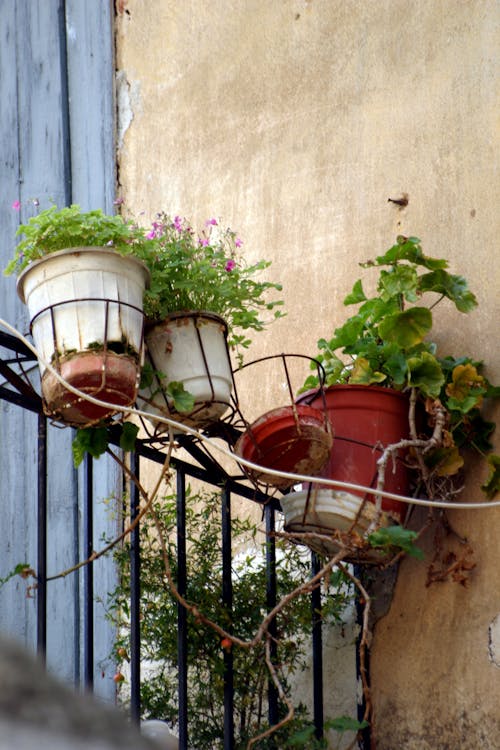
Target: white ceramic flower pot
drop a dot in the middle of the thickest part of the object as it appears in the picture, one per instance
(332, 513)
(188, 348)
(86, 301)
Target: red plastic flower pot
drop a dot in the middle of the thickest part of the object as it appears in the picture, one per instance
(365, 420)
(294, 439)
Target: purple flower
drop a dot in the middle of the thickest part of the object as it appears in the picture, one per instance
(178, 223)
(16, 205)
(203, 241)
(238, 242)
(211, 222)
(151, 235)
(230, 265)
(118, 201)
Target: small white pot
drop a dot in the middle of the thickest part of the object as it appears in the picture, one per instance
(332, 513)
(188, 348)
(84, 300)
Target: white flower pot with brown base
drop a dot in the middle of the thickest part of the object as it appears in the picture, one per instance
(85, 307)
(188, 348)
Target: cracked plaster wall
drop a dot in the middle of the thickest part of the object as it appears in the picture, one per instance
(295, 122)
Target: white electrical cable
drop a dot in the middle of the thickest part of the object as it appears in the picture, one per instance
(242, 461)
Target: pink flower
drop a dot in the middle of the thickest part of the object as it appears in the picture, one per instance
(238, 242)
(151, 235)
(211, 222)
(230, 265)
(178, 223)
(203, 241)
(16, 205)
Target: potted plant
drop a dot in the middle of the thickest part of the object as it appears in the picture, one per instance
(387, 385)
(83, 284)
(203, 300)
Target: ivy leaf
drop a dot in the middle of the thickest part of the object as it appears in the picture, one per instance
(445, 461)
(396, 367)
(425, 373)
(409, 249)
(450, 285)
(183, 401)
(492, 484)
(357, 294)
(362, 373)
(466, 389)
(408, 328)
(396, 536)
(128, 436)
(400, 280)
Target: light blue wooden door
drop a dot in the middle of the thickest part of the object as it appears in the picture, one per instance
(56, 144)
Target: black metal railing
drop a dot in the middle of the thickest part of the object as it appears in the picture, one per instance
(210, 473)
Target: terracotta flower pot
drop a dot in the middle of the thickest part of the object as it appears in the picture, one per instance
(366, 419)
(291, 439)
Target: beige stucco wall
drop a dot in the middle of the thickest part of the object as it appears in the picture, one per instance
(295, 121)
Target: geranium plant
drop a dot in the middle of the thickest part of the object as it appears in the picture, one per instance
(386, 342)
(60, 228)
(206, 272)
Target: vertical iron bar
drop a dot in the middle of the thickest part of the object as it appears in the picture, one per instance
(317, 648)
(65, 106)
(41, 611)
(364, 735)
(135, 593)
(227, 600)
(182, 662)
(88, 573)
(271, 597)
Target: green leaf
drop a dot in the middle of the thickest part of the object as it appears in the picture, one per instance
(128, 436)
(400, 280)
(183, 401)
(396, 367)
(301, 738)
(409, 249)
(396, 536)
(452, 286)
(424, 372)
(492, 484)
(362, 373)
(92, 440)
(357, 295)
(346, 724)
(408, 328)
(445, 462)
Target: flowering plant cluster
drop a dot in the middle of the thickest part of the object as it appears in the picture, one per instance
(191, 271)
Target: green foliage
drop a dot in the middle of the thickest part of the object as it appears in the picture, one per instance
(60, 228)
(205, 272)
(182, 400)
(205, 647)
(386, 343)
(395, 538)
(95, 440)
